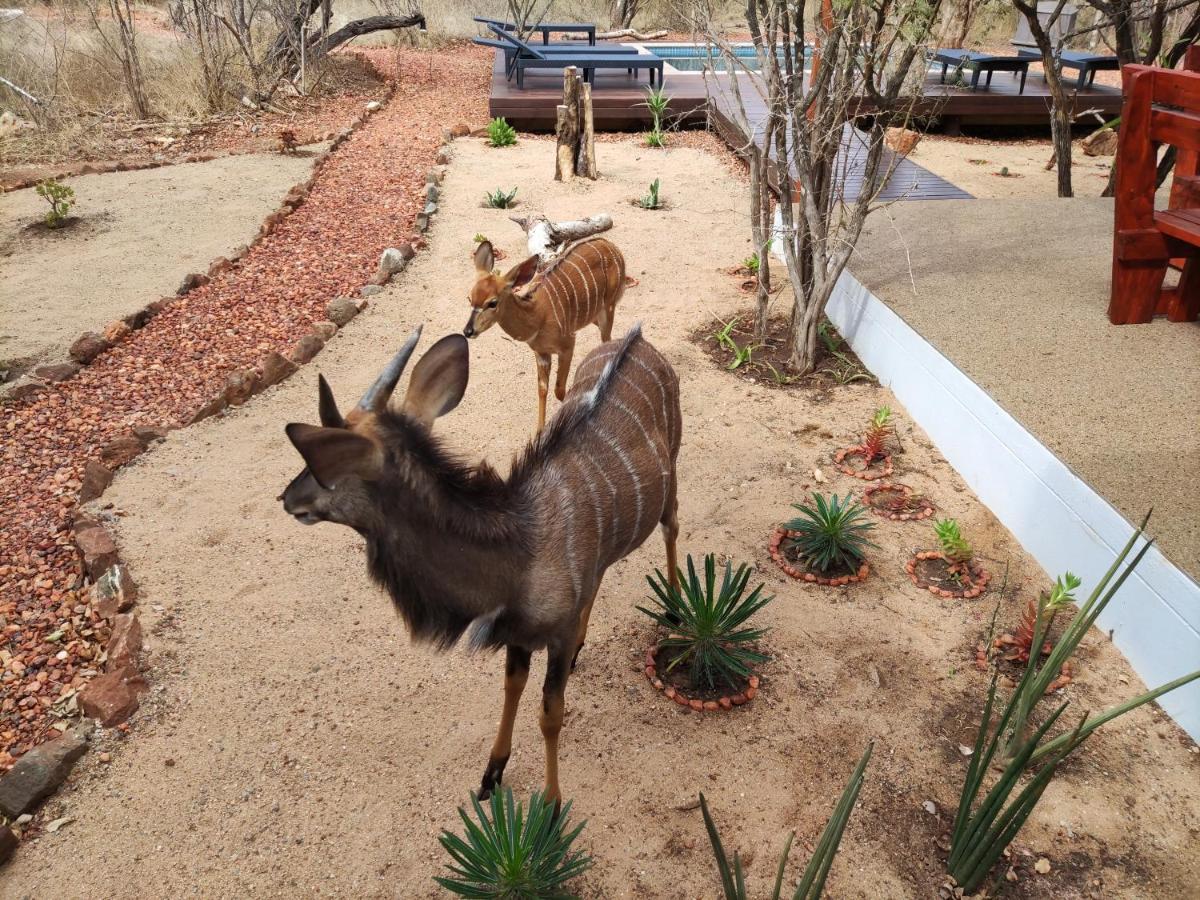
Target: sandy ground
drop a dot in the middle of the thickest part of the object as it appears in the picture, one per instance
(295, 744)
(975, 164)
(139, 233)
(1107, 400)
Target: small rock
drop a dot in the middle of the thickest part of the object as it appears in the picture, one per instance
(421, 222)
(306, 348)
(55, 824)
(126, 641)
(392, 261)
(379, 279)
(240, 387)
(87, 347)
(341, 310)
(97, 548)
(368, 290)
(324, 329)
(406, 251)
(219, 265)
(38, 773)
(965, 750)
(168, 762)
(120, 451)
(442, 158)
(96, 479)
(26, 387)
(106, 758)
(873, 674)
(115, 332)
(818, 476)
(374, 106)
(1100, 143)
(149, 434)
(114, 592)
(930, 807)
(902, 140)
(57, 371)
(190, 282)
(431, 209)
(462, 129)
(431, 193)
(1042, 866)
(112, 698)
(276, 368)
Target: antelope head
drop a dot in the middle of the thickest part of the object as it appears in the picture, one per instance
(493, 291)
(347, 457)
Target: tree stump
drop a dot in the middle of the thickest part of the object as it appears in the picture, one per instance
(575, 130)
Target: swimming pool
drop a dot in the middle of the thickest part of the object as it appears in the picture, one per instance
(696, 57)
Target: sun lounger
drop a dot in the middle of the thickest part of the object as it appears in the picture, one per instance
(546, 29)
(1088, 64)
(979, 63)
(584, 58)
(511, 51)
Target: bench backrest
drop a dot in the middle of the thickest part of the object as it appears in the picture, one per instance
(516, 42)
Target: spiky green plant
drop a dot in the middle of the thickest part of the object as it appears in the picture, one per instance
(812, 882)
(751, 264)
(954, 546)
(656, 139)
(652, 199)
(513, 855)
(984, 827)
(831, 533)
(500, 198)
(500, 133)
(708, 624)
(480, 238)
(657, 102)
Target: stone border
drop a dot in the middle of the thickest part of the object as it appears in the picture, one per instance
(927, 509)
(776, 539)
(866, 474)
(114, 695)
(695, 705)
(90, 345)
(979, 577)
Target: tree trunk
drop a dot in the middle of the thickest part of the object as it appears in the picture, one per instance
(585, 162)
(576, 148)
(1060, 112)
(354, 29)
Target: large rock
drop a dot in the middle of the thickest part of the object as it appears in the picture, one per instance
(191, 282)
(121, 450)
(114, 591)
(341, 310)
(240, 387)
(96, 479)
(902, 140)
(97, 548)
(306, 348)
(117, 331)
(57, 371)
(276, 368)
(125, 643)
(392, 261)
(87, 347)
(325, 330)
(39, 772)
(1100, 143)
(112, 698)
(462, 129)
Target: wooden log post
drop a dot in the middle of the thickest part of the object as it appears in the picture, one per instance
(575, 130)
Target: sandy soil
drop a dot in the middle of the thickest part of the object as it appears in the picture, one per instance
(975, 164)
(296, 745)
(138, 233)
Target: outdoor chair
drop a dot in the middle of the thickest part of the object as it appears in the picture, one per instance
(979, 63)
(1088, 64)
(545, 29)
(1162, 106)
(583, 58)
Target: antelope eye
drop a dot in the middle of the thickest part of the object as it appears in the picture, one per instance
(492, 304)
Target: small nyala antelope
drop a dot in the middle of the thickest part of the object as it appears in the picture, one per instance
(516, 562)
(580, 288)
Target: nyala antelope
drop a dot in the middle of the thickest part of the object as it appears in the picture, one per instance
(516, 562)
(580, 288)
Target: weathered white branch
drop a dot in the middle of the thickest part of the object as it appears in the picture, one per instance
(546, 239)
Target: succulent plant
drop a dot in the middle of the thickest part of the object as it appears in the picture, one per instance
(877, 434)
(831, 533)
(953, 545)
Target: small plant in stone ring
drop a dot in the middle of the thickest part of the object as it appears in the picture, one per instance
(831, 533)
(60, 197)
(877, 434)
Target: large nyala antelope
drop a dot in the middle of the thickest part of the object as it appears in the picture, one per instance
(516, 562)
(545, 309)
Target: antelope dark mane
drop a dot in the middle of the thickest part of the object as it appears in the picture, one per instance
(571, 418)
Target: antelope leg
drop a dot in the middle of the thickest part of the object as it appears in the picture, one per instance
(558, 669)
(584, 615)
(564, 369)
(516, 673)
(543, 372)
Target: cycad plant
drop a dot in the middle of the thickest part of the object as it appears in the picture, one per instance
(812, 882)
(877, 434)
(830, 534)
(953, 545)
(708, 623)
(984, 827)
(513, 855)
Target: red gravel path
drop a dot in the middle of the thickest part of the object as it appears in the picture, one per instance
(364, 200)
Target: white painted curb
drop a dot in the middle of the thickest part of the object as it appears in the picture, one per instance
(1061, 521)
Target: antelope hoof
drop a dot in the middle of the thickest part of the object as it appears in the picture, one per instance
(575, 658)
(492, 776)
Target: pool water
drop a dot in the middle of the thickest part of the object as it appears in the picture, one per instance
(696, 57)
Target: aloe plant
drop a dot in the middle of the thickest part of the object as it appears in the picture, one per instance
(500, 198)
(513, 854)
(652, 199)
(877, 434)
(709, 626)
(812, 882)
(954, 546)
(830, 534)
(500, 133)
(984, 827)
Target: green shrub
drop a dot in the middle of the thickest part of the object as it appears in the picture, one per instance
(831, 533)
(60, 197)
(709, 630)
(513, 855)
(657, 102)
(953, 545)
(500, 133)
(500, 198)
(652, 199)
(812, 882)
(656, 138)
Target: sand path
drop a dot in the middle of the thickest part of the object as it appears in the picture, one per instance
(295, 744)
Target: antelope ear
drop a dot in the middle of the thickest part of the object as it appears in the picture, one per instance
(439, 380)
(522, 273)
(330, 417)
(333, 454)
(485, 258)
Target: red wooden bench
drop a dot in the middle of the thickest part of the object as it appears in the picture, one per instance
(1162, 106)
